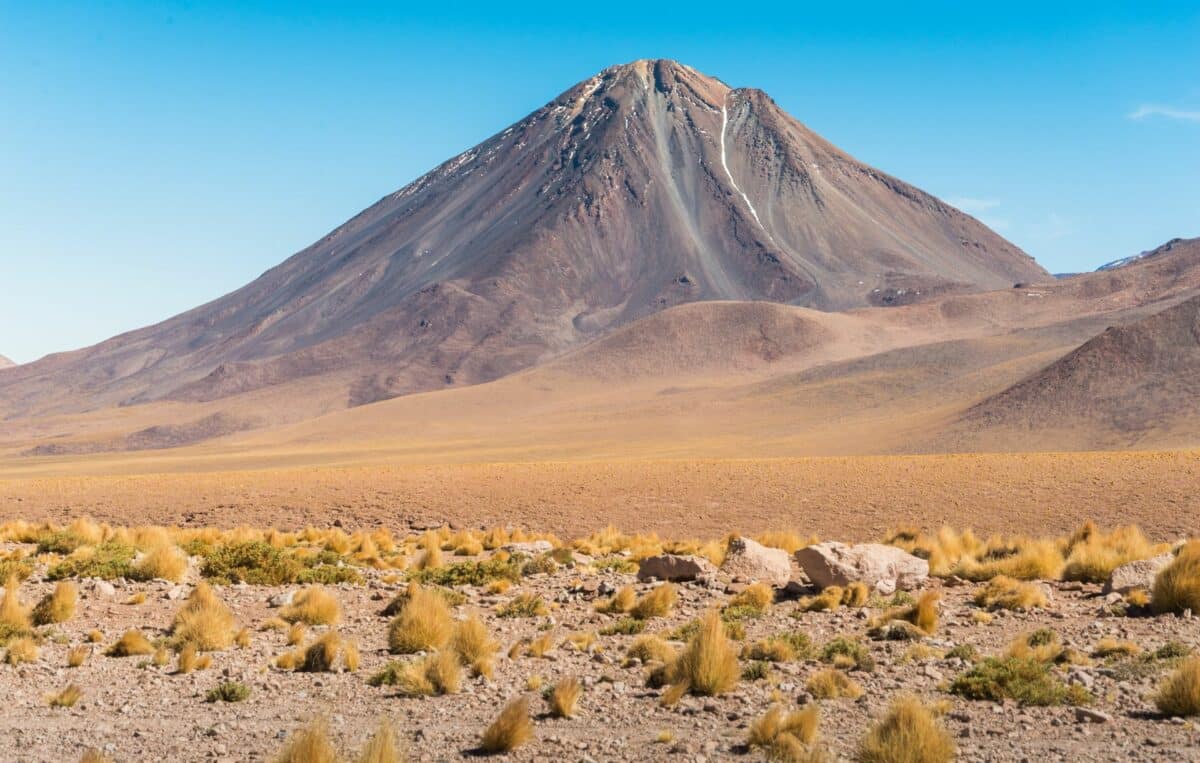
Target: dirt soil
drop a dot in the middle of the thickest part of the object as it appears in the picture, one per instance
(137, 712)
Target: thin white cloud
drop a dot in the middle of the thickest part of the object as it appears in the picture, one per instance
(1150, 110)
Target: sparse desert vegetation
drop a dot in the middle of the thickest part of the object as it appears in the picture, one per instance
(573, 648)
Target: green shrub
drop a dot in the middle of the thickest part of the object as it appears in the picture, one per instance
(230, 691)
(478, 573)
(260, 563)
(1024, 679)
(109, 560)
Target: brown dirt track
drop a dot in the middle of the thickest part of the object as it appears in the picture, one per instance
(851, 498)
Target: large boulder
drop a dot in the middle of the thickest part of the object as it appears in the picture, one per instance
(883, 568)
(1138, 574)
(750, 560)
(675, 567)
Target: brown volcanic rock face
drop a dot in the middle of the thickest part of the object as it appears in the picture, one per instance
(647, 186)
(1127, 381)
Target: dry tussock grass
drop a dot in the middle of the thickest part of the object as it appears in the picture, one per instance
(757, 597)
(165, 561)
(204, 621)
(564, 698)
(21, 650)
(511, 729)
(1179, 694)
(831, 683)
(708, 665)
(475, 647)
(383, 747)
(909, 733)
(781, 734)
(423, 624)
(308, 744)
(77, 655)
(655, 603)
(313, 606)
(1177, 586)
(132, 643)
(13, 615)
(58, 606)
(1002, 592)
(622, 601)
(190, 659)
(67, 697)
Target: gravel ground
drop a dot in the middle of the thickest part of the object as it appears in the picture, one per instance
(134, 711)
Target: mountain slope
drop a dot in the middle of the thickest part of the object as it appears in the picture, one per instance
(648, 185)
(1123, 384)
(5, 362)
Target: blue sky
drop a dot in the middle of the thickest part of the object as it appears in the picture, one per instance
(155, 155)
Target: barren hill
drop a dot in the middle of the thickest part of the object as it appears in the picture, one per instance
(646, 186)
(5, 362)
(1127, 382)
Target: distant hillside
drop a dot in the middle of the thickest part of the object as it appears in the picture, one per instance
(1128, 381)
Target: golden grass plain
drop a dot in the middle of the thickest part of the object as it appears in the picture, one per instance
(850, 498)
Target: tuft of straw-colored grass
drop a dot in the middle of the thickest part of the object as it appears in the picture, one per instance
(131, 643)
(13, 614)
(77, 655)
(856, 595)
(313, 606)
(21, 650)
(383, 746)
(423, 624)
(350, 656)
(321, 654)
(832, 683)
(564, 698)
(655, 603)
(67, 697)
(1002, 592)
(909, 733)
(708, 666)
(757, 597)
(204, 620)
(1177, 586)
(1111, 647)
(1179, 694)
(621, 602)
(308, 744)
(166, 562)
(511, 729)
(778, 732)
(295, 634)
(190, 659)
(651, 648)
(475, 648)
(58, 606)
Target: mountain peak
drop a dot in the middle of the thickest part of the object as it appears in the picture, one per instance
(645, 186)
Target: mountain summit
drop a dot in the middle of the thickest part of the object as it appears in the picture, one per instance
(646, 186)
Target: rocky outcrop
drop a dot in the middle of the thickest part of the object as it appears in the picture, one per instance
(751, 561)
(675, 568)
(884, 569)
(1137, 574)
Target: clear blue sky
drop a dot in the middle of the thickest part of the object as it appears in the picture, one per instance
(155, 155)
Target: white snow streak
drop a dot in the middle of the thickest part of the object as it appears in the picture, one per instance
(725, 164)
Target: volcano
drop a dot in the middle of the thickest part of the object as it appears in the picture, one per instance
(647, 186)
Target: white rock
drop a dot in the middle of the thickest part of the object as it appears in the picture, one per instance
(531, 548)
(674, 567)
(1137, 574)
(749, 559)
(883, 568)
